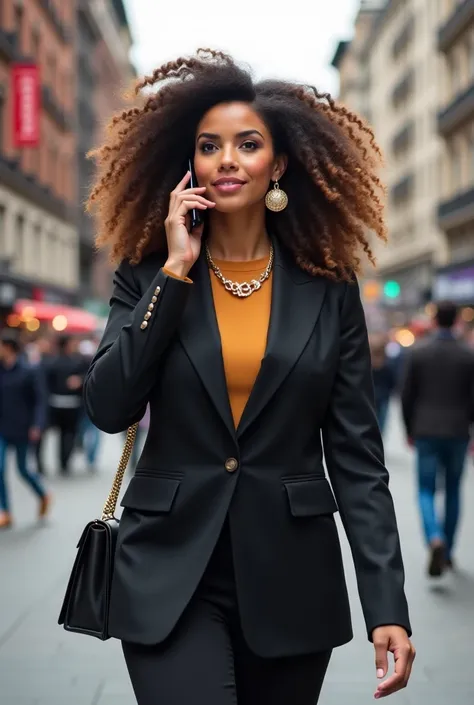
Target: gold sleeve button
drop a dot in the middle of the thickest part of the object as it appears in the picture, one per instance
(144, 325)
(157, 290)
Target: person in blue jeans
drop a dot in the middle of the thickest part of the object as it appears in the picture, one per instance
(23, 404)
(438, 410)
(440, 458)
(384, 379)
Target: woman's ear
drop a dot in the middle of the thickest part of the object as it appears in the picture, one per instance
(279, 167)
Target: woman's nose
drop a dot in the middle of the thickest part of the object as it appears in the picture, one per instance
(228, 160)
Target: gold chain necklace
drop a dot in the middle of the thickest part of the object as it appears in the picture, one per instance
(241, 289)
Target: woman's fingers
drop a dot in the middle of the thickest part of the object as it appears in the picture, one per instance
(185, 195)
(189, 204)
(182, 184)
(186, 201)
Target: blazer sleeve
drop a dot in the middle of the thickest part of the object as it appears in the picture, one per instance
(354, 457)
(138, 331)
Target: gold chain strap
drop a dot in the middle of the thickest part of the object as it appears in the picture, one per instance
(110, 506)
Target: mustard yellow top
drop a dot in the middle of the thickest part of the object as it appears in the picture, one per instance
(243, 326)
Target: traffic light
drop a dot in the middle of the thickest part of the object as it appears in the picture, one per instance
(391, 290)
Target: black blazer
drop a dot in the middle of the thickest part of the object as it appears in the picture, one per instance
(438, 388)
(267, 475)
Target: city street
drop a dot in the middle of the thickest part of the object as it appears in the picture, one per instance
(40, 664)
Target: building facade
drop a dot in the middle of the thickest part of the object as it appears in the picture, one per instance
(402, 95)
(38, 204)
(87, 37)
(456, 128)
(404, 110)
(114, 74)
(104, 70)
(351, 60)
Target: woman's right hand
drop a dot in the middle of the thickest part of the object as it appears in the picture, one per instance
(184, 244)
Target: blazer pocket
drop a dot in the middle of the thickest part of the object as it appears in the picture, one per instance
(151, 494)
(309, 498)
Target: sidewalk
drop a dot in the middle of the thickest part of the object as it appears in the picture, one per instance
(40, 664)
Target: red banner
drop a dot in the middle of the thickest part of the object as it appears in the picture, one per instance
(26, 105)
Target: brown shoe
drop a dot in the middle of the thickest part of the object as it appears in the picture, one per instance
(5, 520)
(45, 506)
(437, 562)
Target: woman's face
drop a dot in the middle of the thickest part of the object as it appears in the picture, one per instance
(234, 157)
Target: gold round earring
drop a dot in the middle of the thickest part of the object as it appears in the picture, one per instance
(276, 200)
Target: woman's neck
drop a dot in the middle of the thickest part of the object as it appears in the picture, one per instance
(238, 236)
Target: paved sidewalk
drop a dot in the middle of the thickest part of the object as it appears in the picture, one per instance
(40, 664)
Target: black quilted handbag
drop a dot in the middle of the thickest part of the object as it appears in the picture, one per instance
(85, 608)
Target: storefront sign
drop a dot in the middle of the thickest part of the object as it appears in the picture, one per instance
(26, 105)
(456, 285)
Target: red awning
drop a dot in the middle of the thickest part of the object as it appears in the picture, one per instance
(67, 319)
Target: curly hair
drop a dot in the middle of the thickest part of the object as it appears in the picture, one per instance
(336, 199)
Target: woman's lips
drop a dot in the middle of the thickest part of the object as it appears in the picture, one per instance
(228, 186)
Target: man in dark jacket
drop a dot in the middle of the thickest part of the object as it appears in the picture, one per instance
(22, 417)
(438, 409)
(66, 374)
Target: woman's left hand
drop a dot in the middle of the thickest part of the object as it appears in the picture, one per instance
(395, 640)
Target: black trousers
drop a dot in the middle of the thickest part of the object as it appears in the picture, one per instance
(206, 661)
(37, 449)
(67, 421)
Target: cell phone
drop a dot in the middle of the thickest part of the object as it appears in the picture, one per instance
(196, 218)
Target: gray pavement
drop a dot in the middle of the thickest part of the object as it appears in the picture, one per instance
(40, 664)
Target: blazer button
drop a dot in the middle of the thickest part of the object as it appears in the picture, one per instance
(231, 464)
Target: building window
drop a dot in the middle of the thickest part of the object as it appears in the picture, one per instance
(35, 43)
(51, 68)
(20, 239)
(456, 167)
(53, 166)
(471, 155)
(3, 239)
(35, 161)
(2, 117)
(19, 14)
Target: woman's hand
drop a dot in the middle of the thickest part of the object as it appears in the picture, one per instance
(184, 245)
(392, 639)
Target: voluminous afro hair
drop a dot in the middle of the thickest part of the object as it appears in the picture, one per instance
(336, 199)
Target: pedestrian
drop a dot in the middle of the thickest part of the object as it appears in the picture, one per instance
(40, 356)
(228, 580)
(65, 379)
(438, 410)
(384, 377)
(23, 403)
(89, 436)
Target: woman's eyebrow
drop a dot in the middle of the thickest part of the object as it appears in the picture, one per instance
(215, 136)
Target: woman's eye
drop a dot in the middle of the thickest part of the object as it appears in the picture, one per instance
(249, 145)
(207, 147)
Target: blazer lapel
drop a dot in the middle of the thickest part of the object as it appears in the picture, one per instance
(199, 334)
(297, 298)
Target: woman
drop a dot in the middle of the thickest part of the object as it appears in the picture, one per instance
(384, 378)
(247, 338)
